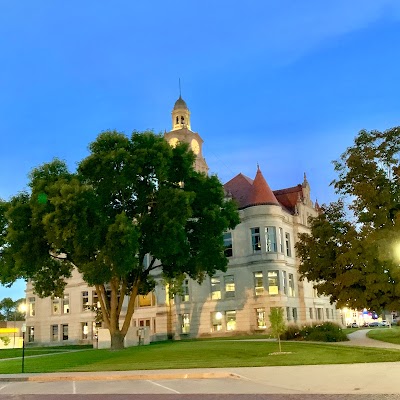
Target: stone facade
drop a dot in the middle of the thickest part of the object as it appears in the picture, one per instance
(262, 272)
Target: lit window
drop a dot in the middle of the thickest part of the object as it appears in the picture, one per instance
(273, 283)
(147, 300)
(185, 323)
(95, 300)
(66, 304)
(216, 321)
(230, 317)
(292, 292)
(261, 322)
(215, 288)
(228, 244)
(85, 301)
(229, 286)
(85, 330)
(31, 333)
(55, 307)
(258, 283)
(288, 248)
(255, 239)
(270, 239)
(31, 306)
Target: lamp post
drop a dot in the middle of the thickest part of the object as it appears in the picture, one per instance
(22, 308)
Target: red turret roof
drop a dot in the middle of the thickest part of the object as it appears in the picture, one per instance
(260, 192)
(249, 193)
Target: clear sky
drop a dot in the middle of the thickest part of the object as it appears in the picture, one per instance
(285, 83)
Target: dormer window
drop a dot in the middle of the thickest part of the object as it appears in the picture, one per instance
(182, 120)
(177, 120)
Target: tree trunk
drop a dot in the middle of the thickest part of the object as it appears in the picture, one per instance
(117, 340)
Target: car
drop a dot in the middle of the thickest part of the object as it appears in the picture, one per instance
(385, 323)
(374, 324)
(354, 325)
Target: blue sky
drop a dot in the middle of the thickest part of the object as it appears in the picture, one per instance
(286, 84)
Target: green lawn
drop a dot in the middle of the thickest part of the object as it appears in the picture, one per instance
(33, 351)
(199, 354)
(391, 335)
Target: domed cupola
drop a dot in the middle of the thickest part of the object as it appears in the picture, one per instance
(180, 115)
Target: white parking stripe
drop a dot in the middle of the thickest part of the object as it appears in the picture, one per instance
(73, 387)
(2, 387)
(164, 387)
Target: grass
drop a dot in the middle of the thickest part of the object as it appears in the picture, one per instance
(34, 351)
(200, 354)
(390, 335)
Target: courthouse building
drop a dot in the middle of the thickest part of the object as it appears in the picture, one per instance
(262, 271)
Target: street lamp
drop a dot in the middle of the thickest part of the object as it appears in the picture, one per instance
(22, 309)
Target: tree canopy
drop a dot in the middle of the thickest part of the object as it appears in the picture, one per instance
(130, 197)
(9, 310)
(353, 251)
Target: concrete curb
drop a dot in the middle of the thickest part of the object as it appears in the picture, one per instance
(119, 377)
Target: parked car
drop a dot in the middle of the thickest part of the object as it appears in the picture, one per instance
(385, 323)
(354, 325)
(374, 324)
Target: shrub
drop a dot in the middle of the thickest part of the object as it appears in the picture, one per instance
(325, 332)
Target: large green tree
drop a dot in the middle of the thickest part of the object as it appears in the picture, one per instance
(9, 310)
(131, 197)
(353, 251)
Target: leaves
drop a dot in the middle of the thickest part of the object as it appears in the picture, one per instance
(352, 252)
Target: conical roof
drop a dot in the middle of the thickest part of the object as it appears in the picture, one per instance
(260, 192)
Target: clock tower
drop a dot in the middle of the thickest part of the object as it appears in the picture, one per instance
(181, 132)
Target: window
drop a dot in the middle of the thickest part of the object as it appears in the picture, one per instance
(281, 242)
(332, 313)
(228, 244)
(319, 313)
(288, 248)
(216, 321)
(292, 292)
(311, 313)
(85, 301)
(215, 288)
(54, 333)
(147, 300)
(261, 322)
(230, 320)
(255, 239)
(229, 281)
(95, 300)
(66, 304)
(31, 333)
(55, 307)
(284, 282)
(185, 290)
(327, 313)
(294, 312)
(85, 330)
(258, 283)
(273, 284)
(31, 307)
(270, 239)
(64, 332)
(288, 315)
(185, 323)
